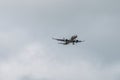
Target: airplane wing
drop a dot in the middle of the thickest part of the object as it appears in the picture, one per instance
(59, 39)
(63, 43)
(79, 41)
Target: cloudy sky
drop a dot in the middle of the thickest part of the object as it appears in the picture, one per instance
(27, 51)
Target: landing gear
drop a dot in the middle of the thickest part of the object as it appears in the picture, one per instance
(73, 43)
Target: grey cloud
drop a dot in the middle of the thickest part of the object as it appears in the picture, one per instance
(27, 22)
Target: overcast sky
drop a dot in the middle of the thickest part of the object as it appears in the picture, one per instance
(27, 51)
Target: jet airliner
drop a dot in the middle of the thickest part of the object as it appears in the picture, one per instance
(72, 40)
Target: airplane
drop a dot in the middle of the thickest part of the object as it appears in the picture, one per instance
(72, 40)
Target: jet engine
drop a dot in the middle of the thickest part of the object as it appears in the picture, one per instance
(66, 40)
(78, 41)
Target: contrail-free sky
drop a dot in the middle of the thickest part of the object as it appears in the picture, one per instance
(27, 51)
